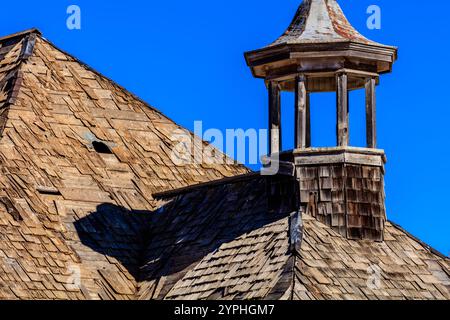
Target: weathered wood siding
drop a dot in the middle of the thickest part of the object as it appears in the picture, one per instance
(347, 197)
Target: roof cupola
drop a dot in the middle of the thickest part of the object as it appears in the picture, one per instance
(320, 51)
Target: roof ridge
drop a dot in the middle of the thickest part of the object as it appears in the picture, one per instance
(21, 34)
(28, 42)
(421, 242)
(133, 95)
(90, 68)
(214, 183)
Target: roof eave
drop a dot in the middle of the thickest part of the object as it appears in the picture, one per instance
(251, 56)
(286, 51)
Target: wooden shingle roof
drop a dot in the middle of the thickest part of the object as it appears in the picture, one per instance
(224, 242)
(53, 109)
(69, 209)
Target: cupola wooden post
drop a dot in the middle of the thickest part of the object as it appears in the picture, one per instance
(302, 114)
(342, 110)
(342, 186)
(371, 109)
(275, 142)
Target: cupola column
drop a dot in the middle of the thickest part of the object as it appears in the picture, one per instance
(275, 143)
(342, 110)
(302, 114)
(371, 122)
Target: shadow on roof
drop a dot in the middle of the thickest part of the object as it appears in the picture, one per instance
(163, 243)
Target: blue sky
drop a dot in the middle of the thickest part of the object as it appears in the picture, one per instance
(186, 59)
